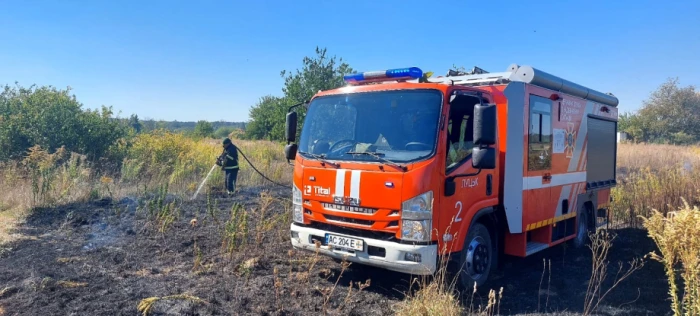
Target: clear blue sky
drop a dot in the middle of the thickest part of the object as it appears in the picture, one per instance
(213, 60)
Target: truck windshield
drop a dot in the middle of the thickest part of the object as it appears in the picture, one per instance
(397, 126)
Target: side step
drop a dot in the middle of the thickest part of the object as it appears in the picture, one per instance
(533, 247)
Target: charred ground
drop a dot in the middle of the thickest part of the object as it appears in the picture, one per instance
(233, 257)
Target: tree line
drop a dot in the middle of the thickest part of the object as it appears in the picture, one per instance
(182, 126)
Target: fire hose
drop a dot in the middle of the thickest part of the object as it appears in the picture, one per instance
(251, 165)
(260, 173)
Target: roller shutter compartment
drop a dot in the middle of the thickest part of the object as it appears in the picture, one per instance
(601, 153)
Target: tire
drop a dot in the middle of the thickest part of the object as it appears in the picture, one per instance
(478, 258)
(583, 228)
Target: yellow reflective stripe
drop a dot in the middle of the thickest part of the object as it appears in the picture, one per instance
(234, 167)
(549, 221)
(229, 157)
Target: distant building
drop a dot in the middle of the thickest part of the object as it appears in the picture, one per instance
(621, 137)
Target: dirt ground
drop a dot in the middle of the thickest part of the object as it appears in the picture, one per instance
(104, 257)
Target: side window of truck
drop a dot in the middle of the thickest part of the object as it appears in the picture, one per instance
(460, 135)
(540, 134)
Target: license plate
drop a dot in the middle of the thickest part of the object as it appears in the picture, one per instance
(344, 242)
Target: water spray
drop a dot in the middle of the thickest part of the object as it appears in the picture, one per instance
(203, 181)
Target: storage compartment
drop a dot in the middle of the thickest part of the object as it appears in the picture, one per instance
(601, 153)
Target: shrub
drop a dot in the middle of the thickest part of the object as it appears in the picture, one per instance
(52, 118)
(677, 234)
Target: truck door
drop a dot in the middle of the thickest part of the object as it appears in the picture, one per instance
(458, 209)
(538, 205)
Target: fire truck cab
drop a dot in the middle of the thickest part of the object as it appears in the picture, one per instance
(398, 170)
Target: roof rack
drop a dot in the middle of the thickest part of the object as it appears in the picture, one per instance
(527, 74)
(475, 80)
(476, 77)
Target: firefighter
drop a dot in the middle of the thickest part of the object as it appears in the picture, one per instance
(229, 163)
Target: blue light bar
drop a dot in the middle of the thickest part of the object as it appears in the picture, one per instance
(383, 75)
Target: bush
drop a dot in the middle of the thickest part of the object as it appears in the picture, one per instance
(163, 155)
(677, 235)
(52, 118)
(203, 129)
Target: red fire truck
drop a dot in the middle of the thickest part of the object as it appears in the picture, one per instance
(398, 170)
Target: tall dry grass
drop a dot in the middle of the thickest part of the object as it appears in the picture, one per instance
(183, 162)
(677, 234)
(600, 245)
(43, 179)
(653, 177)
(152, 160)
(653, 180)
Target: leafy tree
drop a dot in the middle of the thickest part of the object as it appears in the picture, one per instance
(203, 129)
(52, 118)
(135, 123)
(318, 73)
(99, 131)
(671, 114)
(267, 119)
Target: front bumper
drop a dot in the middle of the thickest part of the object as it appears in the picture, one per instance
(394, 258)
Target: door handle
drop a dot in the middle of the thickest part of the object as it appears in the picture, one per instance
(547, 177)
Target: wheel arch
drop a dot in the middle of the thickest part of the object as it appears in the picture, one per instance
(587, 203)
(488, 217)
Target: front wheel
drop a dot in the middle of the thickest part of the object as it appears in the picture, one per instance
(478, 257)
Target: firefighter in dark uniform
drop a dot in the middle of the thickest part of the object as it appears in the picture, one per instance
(229, 163)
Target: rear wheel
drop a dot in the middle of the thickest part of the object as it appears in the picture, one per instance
(478, 257)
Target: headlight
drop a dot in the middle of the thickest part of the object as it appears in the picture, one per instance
(417, 217)
(298, 213)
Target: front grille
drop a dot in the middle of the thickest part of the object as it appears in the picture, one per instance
(348, 208)
(348, 220)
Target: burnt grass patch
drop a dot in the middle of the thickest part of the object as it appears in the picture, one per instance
(232, 256)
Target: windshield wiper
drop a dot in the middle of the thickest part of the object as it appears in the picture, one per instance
(378, 156)
(320, 158)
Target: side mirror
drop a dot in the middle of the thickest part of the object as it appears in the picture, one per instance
(290, 131)
(484, 158)
(450, 187)
(485, 124)
(290, 151)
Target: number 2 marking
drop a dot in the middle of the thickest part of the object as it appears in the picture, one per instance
(457, 218)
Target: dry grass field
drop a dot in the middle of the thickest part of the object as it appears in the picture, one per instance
(75, 241)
